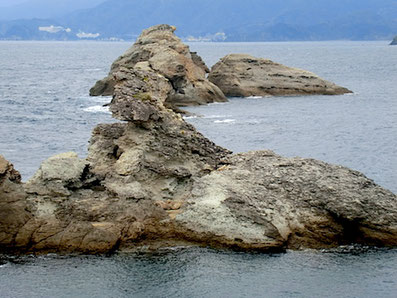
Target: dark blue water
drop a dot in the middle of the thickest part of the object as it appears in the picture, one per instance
(45, 109)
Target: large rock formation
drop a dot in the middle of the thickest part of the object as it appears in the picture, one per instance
(153, 180)
(158, 50)
(244, 75)
(125, 193)
(262, 200)
(394, 41)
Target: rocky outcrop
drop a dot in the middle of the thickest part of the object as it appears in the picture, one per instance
(152, 180)
(242, 75)
(127, 191)
(160, 52)
(259, 200)
(394, 41)
(13, 206)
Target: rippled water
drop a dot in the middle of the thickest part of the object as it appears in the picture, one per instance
(45, 109)
(199, 272)
(356, 130)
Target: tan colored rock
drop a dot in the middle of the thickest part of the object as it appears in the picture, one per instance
(160, 52)
(13, 206)
(243, 75)
(153, 180)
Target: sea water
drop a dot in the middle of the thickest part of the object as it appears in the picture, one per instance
(45, 109)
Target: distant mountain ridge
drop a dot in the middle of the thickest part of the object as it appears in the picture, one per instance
(222, 20)
(30, 9)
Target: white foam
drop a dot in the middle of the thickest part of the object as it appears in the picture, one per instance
(255, 97)
(215, 116)
(217, 103)
(351, 94)
(189, 117)
(225, 121)
(101, 99)
(97, 109)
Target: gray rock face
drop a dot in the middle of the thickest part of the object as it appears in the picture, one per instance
(394, 41)
(243, 75)
(262, 200)
(58, 174)
(160, 52)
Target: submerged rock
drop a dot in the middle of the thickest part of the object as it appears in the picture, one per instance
(153, 180)
(242, 75)
(394, 41)
(160, 52)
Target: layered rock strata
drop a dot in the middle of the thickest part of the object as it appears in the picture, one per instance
(243, 75)
(158, 50)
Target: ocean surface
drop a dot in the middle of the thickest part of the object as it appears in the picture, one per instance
(45, 109)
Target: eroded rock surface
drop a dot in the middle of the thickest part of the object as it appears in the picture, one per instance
(128, 190)
(262, 200)
(152, 180)
(243, 75)
(160, 52)
(13, 206)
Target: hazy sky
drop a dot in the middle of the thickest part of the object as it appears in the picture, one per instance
(10, 2)
(27, 9)
(6, 3)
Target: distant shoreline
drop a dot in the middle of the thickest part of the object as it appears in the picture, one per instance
(197, 42)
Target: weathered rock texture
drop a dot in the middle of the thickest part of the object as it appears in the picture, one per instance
(159, 51)
(126, 193)
(153, 180)
(244, 75)
(262, 200)
(13, 206)
(394, 41)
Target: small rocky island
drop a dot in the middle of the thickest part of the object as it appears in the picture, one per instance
(152, 180)
(162, 52)
(240, 75)
(394, 41)
(243, 75)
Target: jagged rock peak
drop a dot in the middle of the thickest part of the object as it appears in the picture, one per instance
(243, 75)
(7, 171)
(159, 51)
